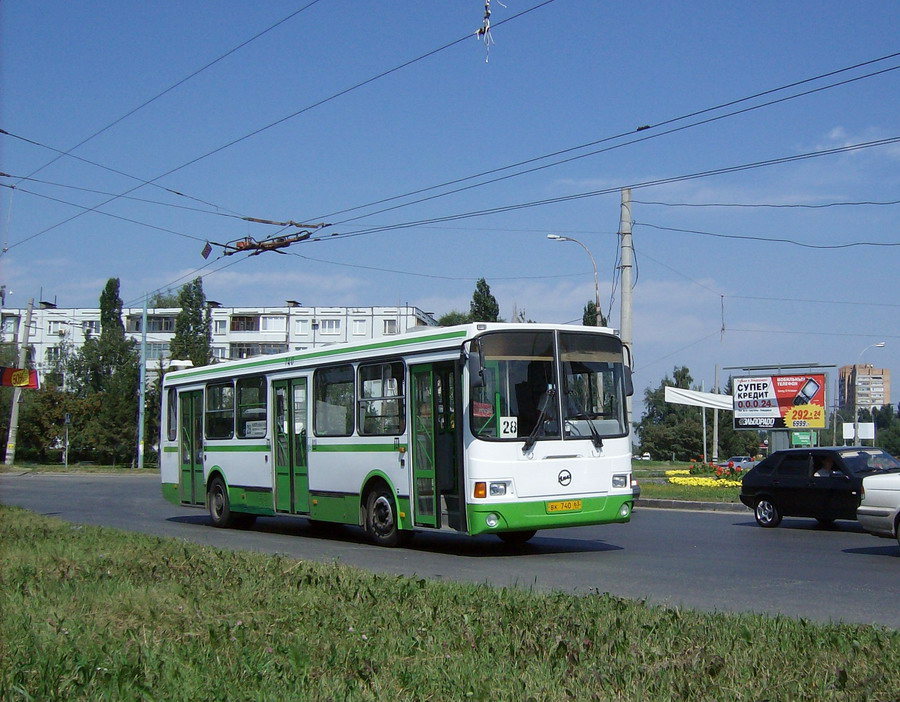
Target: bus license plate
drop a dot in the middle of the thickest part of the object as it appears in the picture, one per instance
(564, 506)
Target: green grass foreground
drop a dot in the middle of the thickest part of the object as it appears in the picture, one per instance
(92, 613)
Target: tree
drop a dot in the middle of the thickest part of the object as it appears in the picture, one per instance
(591, 317)
(452, 318)
(484, 307)
(163, 300)
(669, 429)
(111, 310)
(193, 326)
(104, 377)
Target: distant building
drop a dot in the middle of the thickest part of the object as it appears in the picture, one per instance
(863, 386)
(237, 332)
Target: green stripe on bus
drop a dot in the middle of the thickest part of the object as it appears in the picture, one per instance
(249, 448)
(170, 449)
(358, 448)
(285, 362)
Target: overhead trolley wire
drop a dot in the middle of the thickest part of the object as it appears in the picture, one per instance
(141, 181)
(824, 205)
(86, 209)
(172, 87)
(276, 122)
(773, 240)
(634, 186)
(622, 135)
(20, 179)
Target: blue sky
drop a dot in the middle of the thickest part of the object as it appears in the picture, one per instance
(567, 73)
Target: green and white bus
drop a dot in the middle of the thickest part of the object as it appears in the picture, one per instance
(481, 429)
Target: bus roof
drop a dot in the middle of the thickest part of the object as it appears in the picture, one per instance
(422, 339)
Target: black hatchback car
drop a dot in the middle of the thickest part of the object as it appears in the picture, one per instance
(824, 483)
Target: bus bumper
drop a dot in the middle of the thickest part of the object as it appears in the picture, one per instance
(549, 514)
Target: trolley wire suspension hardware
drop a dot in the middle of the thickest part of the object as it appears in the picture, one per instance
(254, 247)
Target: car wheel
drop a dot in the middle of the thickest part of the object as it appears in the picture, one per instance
(767, 514)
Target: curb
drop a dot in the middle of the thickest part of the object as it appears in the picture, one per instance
(687, 504)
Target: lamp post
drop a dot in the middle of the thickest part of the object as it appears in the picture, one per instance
(878, 345)
(598, 315)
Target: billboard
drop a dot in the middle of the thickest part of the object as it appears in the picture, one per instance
(779, 402)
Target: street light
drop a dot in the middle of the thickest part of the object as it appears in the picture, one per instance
(878, 345)
(598, 315)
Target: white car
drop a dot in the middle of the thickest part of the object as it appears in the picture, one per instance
(879, 510)
(742, 462)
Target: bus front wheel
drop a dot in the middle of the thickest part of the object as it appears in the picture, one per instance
(516, 538)
(381, 518)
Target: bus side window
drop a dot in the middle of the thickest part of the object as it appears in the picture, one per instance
(172, 414)
(251, 401)
(334, 400)
(220, 410)
(382, 408)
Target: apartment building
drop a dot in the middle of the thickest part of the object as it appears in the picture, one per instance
(237, 332)
(863, 386)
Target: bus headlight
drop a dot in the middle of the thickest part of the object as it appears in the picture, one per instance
(625, 510)
(620, 481)
(499, 489)
(492, 520)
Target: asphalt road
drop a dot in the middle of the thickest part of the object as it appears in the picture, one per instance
(709, 561)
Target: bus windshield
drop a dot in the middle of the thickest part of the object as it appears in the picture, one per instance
(532, 379)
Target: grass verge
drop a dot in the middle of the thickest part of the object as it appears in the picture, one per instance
(695, 493)
(92, 613)
(73, 468)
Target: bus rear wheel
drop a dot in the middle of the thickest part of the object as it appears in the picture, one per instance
(517, 538)
(381, 519)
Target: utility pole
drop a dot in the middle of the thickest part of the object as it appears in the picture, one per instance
(716, 421)
(17, 392)
(627, 267)
(142, 390)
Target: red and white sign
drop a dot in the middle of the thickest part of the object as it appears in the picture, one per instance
(779, 402)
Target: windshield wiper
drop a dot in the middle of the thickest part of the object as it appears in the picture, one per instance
(543, 406)
(595, 435)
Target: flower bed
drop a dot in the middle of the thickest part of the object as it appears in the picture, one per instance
(708, 481)
(706, 475)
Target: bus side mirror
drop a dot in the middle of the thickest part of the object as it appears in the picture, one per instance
(476, 369)
(629, 383)
(475, 364)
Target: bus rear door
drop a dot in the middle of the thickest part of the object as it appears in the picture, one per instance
(190, 484)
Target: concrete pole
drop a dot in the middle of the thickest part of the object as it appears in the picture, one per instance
(17, 392)
(142, 388)
(716, 421)
(627, 266)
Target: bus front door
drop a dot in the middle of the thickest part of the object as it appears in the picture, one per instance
(289, 432)
(436, 484)
(423, 445)
(190, 485)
